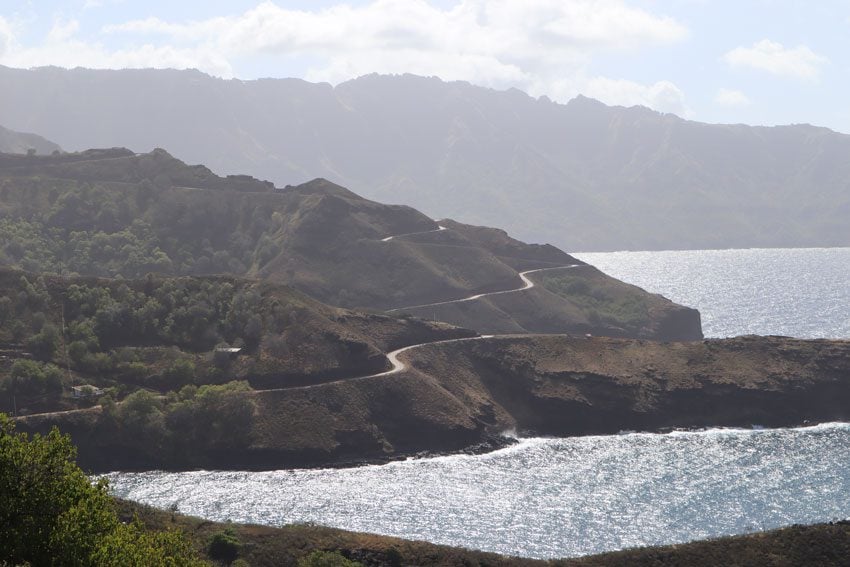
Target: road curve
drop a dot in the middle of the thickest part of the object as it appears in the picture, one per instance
(439, 228)
(397, 364)
(526, 284)
(393, 357)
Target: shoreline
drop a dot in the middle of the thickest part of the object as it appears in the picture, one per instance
(297, 503)
(457, 397)
(496, 444)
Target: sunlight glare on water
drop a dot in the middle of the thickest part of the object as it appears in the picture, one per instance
(797, 292)
(545, 497)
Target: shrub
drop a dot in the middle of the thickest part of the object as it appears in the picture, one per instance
(327, 559)
(29, 377)
(180, 373)
(44, 344)
(51, 513)
(224, 546)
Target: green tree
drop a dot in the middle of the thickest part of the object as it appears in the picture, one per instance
(51, 514)
(141, 417)
(179, 373)
(224, 546)
(45, 344)
(130, 545)
(28, 377)
(327, 559)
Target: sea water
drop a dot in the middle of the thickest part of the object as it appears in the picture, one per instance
(798, 292)
(545, 498)
(568, 497)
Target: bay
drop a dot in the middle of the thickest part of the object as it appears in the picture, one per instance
(550, 498)
(545, 498)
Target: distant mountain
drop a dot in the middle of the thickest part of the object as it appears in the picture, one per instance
(581, 175)
(114, 213)
(12, 142)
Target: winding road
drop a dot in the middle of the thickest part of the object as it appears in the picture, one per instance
(438, 229)
(526, 284)
(397, 364)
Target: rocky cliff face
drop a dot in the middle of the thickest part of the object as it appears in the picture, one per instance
(464, 393)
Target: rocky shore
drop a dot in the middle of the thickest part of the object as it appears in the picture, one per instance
(458, 395)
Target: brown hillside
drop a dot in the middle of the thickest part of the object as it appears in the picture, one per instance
(825, 545)
(461, 393)
(112, 213)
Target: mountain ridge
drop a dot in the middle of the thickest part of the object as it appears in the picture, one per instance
(116, 213)
(582, 175)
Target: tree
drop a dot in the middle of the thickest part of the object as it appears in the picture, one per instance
(28, 377)
(327, 559)
(141, 415)
(51, 513)
(224, 546)
(179, 373)
(45, 344)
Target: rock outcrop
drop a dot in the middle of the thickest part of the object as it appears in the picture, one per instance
(462, 394)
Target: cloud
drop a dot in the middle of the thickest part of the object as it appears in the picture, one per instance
(541, 46)
(731, 97)
(497, 27)
(765, 55)
(74, 53)
(91, 4)
(499, 43)
(62, 31)
(663, 96)
(6, 36)
(63, 48)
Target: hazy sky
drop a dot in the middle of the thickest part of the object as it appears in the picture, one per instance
(752, 61)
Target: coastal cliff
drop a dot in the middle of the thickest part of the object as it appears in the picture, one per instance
(463, 394)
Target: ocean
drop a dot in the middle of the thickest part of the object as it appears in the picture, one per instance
(796, 292)
(545, 498)
(550, 498)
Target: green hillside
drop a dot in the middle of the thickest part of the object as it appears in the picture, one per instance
(112, 213)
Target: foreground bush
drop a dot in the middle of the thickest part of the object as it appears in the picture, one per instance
(51, 514)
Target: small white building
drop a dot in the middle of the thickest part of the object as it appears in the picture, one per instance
(85, 391)
(223, 354)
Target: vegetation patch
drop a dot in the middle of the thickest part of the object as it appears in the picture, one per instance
(162, 334)
(603, 300)
(52, 514)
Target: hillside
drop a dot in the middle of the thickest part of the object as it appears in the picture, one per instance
(19, 143)
(165, 364)
(459, 394)
(113, 213)
(823, 544)
(581, 175)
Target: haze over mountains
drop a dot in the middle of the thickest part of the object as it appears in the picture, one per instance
(12, 142)
(583, 176)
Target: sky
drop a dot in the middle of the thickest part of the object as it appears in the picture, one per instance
(762, 62)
